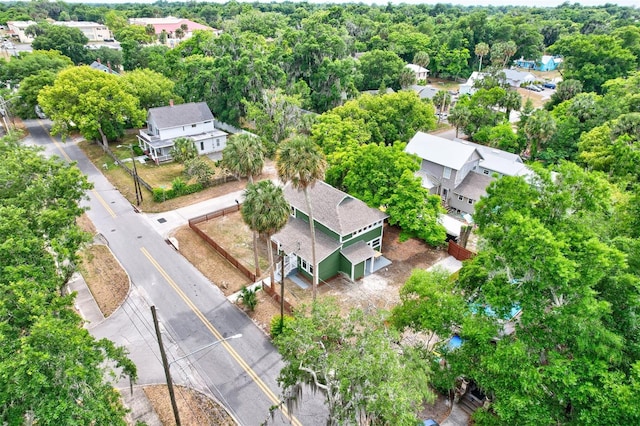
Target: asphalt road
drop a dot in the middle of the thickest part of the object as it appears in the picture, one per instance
(240, 373)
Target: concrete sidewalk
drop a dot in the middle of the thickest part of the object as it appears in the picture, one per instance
(450, 264)
(457, 417)
(166, 222)
(84, 303)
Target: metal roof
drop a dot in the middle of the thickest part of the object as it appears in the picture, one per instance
(448, 153)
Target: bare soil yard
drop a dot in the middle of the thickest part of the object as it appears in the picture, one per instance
(195, 409)
(379, 290)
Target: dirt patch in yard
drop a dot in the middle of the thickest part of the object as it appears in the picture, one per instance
(379, 290)
(194, 408)
(213, 266)
(105, 277)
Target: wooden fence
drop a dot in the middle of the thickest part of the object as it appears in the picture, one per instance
(193, 225)
(127, 169)
(275, 295)
(459, 252)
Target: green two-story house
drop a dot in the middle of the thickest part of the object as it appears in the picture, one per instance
(348, 233)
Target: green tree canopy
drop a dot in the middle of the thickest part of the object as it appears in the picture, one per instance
(67, 40)
(151, 88)
(92, 101)
(594, 59)
(355, 364)
(28, 64)
(380, 67)
(54, 372)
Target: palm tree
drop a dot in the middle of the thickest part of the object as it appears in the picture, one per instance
(539, 129)
(183, 150)
(301, 162)
(421, 58)
(244, 156)
(481, 50)
(459, 116)
(512, 101)
(265, 211)
(406, 78)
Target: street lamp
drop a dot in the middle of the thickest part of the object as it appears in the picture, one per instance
(167, 365)
(174, 405)
(235, 336)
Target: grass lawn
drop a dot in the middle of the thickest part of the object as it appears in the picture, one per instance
(157, 176)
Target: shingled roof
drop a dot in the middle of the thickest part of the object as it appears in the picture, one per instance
(180, 115)
(333, 208)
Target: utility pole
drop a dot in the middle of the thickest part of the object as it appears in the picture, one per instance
(4, 110)
(165, 364)
(281, 292)
(136, 181)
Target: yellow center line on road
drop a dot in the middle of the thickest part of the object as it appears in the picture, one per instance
(103, 202)
(55, 142)
(268, 392)
(66, 156)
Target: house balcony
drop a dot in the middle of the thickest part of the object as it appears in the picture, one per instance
(147, 137)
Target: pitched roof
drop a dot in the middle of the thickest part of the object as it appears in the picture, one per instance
(180, 115)
(169, 24)
(448, 153)
(497, 160)
(358, 252)
(416, 68)
(295, 237)
(473, 186)
(333, 208)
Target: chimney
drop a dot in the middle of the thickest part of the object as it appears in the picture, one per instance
(170, 102)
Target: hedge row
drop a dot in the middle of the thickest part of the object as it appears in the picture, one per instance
(161, 194)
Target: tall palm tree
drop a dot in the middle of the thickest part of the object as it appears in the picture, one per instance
(301, 162)
(265, 211)
(539, 129)
(421, 58)
(244, 156)
(481, 51)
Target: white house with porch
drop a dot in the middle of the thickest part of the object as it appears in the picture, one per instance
(166, 124)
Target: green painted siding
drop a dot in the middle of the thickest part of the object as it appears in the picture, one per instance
(302, 216)
(319, 227)
(345, 265)
(330, 266)
(366, 237)
(358, 271)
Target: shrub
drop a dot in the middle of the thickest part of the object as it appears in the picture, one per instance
(277, 328)
(249, 297)
(199, 169)
(178, 186)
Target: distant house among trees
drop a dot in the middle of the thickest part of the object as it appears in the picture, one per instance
(546, 63)
(513, 78)
(92, 30)
(460, 171)
(166, 124)
(420, 72)
(174, 29)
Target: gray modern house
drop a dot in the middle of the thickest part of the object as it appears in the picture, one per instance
(460, 171)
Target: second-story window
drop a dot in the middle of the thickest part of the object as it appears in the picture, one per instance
(446, 173)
